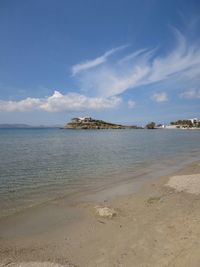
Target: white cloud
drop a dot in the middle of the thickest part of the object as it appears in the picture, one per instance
(59, 102)
(160, 97)
(95, 62)
(107, 80)
(132, 55)
(27, 104)
(131, 104)
(143, 67)
(191, 94)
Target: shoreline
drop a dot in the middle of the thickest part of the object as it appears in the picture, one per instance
(120, 184)
(68, 232)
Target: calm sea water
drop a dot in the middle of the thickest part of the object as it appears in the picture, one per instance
(41, 164)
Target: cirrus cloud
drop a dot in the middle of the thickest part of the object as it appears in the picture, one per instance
(143, 67)
(95, 62)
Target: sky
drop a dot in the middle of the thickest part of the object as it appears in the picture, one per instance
(123, 61)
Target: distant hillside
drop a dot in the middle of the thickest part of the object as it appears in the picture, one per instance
(89, 123)
(24, 126)
(6, 125)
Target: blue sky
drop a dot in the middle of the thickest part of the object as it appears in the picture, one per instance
(124, 61)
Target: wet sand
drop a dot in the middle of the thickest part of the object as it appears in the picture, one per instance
(157, 225)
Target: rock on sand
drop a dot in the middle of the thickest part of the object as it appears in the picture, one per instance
(105, 212)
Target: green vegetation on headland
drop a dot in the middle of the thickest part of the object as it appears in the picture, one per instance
(90, 123)
(151, 125)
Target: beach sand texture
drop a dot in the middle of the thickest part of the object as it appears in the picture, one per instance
(186, 183)
(35, 264)
(158, 226)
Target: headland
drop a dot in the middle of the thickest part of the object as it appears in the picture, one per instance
(90, 123)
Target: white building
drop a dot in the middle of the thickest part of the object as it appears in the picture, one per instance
(194, 120)
(81, 119)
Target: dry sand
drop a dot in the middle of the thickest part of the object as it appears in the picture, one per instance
(156, 227)
(185, 183)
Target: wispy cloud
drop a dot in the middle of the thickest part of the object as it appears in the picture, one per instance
(191, 94)
(103, 81)
(88, 64)
(160, 97)
(131, 103)
(59, 102)
(132, 56)
(143, 67)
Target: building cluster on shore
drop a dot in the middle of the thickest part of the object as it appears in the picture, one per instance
(82, 120)
(181, 124)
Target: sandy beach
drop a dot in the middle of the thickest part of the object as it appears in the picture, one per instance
(100, 133)
(156, 226)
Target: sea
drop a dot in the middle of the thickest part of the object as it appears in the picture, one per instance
(39, 165)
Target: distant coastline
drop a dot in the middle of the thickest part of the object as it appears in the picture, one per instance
(91, 123)
(26, 126)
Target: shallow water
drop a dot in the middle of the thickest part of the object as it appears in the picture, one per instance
(41, 164)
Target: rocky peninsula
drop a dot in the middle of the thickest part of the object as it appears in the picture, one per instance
(90, 123)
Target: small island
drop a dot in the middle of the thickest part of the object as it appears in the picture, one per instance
(90, 123)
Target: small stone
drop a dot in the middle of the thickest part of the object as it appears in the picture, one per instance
(105, 212)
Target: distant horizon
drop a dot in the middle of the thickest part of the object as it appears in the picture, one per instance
(62, 124)
(125, 61)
